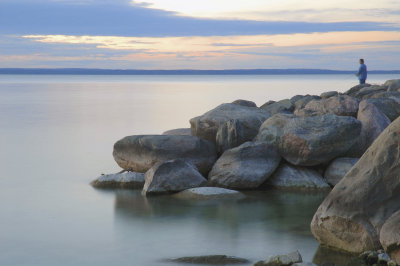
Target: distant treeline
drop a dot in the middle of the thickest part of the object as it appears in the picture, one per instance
(88, 71)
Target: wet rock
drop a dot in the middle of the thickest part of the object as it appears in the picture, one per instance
(281, 260)
(393, 85)
(390, 236)
(120, 180)
(329, 94)
(172, 176)
(292, 177)
(245, 103)
(338, 168)
(209, 193)
(341, 105)
(351, 216)
(179, 131)
(207, 125)
(139, 153)
(388, 106)
(245, 167)
(209, 260)
(283, 106)
(310, 141)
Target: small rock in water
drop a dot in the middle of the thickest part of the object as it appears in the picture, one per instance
(120, 180)
(206, 193)
(281, 260)
(211, 260)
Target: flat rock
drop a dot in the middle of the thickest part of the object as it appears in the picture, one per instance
(245, 167)
(207, 193)
(341, 105)
(312, 140)
(393, 84)
(120, 180)
(245, 103)
(352, 215)
(295, 177)
(209, 260)
(281, 260)
(172, 176)
(207, 125)
(283, 106)
(179, 131)
(338, 168)
(139, 153)
(390, 236)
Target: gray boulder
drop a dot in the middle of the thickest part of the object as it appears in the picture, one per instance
(209, 193)
(179, 131)
(388, 106)
(369, 92)
(245, 167)
(282, 260)
(353, 91)
(245, 103)
(393, 84)
(395, 95)
(172, 176)
(207, 125)
(310, 141)
(337, 169)
(139, 153)
(295, 177)
(120, 180)
(329, 94)
(390, 236)
(300, 101)
(283, 106)
(341, 105)
(235, 132)
(351, 216)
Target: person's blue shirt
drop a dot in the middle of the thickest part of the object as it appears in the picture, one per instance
(362, 72)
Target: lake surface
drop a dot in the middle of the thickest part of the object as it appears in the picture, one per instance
(57, 134)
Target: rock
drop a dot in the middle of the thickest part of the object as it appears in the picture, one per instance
(207, 125)
(172, 176)
(395, 95)
(120, 180)
(207, 193)
(209, 260)
(383, 259)
(283, 106)
(388, 106)
(329, 94)
(393, 84)
(351, 216)
(310, 141)
(236, 132)
(139, 153)
(300, 101)
(354, 90)
(281, 260)
(245, 167)
(390, 236)
(292, 177)
(341, 105)
(304, 264)
(179, 131)
(369, 92)
(338, 168)
(245, 103)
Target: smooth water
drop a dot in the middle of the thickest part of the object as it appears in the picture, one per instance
(57, 134)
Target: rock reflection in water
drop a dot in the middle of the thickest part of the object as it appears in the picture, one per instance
(326, 256)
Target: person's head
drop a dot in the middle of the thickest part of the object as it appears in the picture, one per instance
(361, 61)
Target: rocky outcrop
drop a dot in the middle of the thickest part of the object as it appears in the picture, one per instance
(351, 216)
(282, 260)
(207, 125)
(341, 105)
(245, 167)
(292, 177)
(390, 236)
(120, 180)
(393, 85)
(179, 131)
(283, 106)
(337, 169)
(139, 153)
(172, 176)
(245, 103)
(209, 193)
(310, 141)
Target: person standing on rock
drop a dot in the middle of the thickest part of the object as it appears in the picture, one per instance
(362, 72)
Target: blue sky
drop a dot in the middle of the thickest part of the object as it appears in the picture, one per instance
(183, 34)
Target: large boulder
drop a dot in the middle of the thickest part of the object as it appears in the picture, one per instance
(300, 101)
(172, 176)
(179, 131)
(351, 216)
(245, 103)
(353, 91)
(341, 105)
(235, 132)
(139, 153)
(390, 236)
(388, 106)
(329, 94)
(295, 177)
(393, 84)
(120, 180)
(245, 167)
(283, 106)
(312, 140)
(338, 168)
(207, 125)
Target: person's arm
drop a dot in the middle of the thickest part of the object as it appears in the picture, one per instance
(359, 71)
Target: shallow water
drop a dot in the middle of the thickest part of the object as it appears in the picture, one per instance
(57, 134)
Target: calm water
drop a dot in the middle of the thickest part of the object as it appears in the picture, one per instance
(57, 134)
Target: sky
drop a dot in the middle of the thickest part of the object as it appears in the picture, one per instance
(206, 34)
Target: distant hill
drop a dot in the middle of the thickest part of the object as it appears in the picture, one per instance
(88, 71)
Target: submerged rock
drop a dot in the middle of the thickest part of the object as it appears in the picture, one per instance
(207, 193)
(390, 236)
(209, 260)
(120, 180)
(139, 153)
(282, 260)
(172, 176)
(352, 215)
(245, 167)
(179, 131)
(338, 168)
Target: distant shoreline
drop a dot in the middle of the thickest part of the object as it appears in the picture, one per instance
(87, 71)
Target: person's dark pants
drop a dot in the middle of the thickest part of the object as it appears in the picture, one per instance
(362, 81)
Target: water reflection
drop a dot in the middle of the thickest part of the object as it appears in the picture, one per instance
(326, 256)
